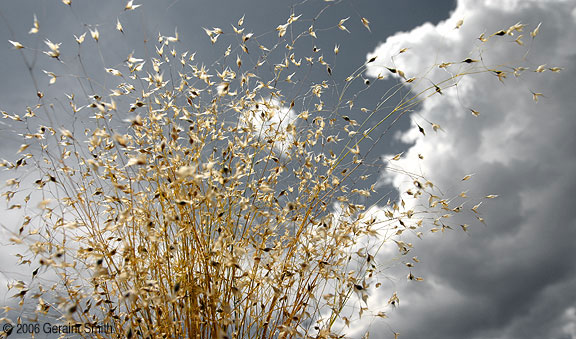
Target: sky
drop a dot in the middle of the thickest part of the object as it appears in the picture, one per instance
(514, 277)
(509, 278)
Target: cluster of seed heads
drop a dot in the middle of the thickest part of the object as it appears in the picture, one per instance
(228, 204)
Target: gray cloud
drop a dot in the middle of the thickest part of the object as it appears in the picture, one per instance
(514, 277)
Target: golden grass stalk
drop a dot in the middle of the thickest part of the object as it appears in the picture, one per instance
(228, 204)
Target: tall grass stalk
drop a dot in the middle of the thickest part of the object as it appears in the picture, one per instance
(220, 201)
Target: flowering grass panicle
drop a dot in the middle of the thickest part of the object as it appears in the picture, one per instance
(220, 201)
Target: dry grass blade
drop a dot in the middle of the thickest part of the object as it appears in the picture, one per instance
(221, 200)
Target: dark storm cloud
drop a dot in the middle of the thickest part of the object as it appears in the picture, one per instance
(514, 277)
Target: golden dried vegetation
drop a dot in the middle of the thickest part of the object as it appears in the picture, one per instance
(220, 201)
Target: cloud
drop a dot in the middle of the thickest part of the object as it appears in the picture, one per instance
(269, 120)
(514, 277)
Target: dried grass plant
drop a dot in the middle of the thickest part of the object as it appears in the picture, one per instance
(219, 201)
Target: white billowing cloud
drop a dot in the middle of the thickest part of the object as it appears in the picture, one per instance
(570, 326)
(514, 277)
(269, 120)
